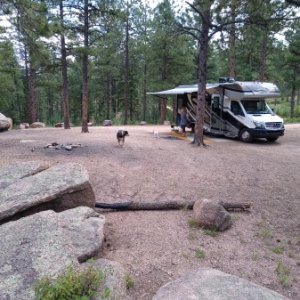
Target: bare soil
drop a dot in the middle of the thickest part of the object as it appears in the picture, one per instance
(159, 246)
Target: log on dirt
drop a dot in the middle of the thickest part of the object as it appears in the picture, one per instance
(166, 205)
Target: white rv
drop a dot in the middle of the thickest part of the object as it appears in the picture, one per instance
(233, 109)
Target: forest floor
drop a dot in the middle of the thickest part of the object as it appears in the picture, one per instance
(156, 247)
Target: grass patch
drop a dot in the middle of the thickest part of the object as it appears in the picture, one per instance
(193, 224)
(73, 284)
(283, 274)
(278, 250)
(211, 232)
(265, 231)
(129, 281)
(200, 254)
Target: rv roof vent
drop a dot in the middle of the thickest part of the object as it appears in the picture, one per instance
(226, 79)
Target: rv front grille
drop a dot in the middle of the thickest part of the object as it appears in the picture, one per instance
(273, 125)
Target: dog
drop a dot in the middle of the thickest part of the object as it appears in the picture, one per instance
(121, 136)
(156, 134)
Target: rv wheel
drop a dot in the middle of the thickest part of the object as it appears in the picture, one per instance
(245, 135)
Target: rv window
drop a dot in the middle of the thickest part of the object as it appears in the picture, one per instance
(256, 106)
(216, 102)
(236, 108)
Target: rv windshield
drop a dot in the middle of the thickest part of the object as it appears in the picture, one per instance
(256, 106)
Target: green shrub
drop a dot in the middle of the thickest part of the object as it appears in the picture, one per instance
(211, 232)
(129, 281)
(283, 274)
(193, 223)
(200, 253)
(72, 285)
(278, 250)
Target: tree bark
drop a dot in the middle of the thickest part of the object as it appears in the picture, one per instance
(32, 95)
(64, 70)
(263, 57)
(293, 100)
(202, 76)
(126, 98)
(108, 96)
(85, 70)
(232, 57)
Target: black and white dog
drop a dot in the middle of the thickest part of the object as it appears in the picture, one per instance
(121, 136)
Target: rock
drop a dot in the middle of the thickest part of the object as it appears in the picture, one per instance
(211, 215)
(45, 244)
(107, 123)
(167, 123)
(59, 125)
(90, 124)
(10, 120)
(37, 125)
(14, 172)
(59, 187)
(115, 277)
(208, 284)
(4, 123)
(23, 126)
(143, 123)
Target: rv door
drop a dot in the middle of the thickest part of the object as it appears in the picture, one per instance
(216, 114)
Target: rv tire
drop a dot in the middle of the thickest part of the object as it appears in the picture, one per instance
(245, 135)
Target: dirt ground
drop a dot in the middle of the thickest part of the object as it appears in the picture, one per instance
(156, 247)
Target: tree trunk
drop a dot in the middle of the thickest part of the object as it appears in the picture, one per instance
(166, 205)
(263, 56)
(64, 71)
(202, 77)
(293, 100)
(108, 96)
(145, 92)
(32, 95)
(85, 70)
(232, 58)
(126, 98)
(163, 110)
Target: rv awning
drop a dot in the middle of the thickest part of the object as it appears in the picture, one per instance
(234, 90)
(183, 89)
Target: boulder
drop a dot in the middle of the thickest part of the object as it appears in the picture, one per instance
(208, 284)
(167, 123)
(59, 187)
(211, 215)
(143, 123)
(107, 123)
(4, 123)
(115, 277)
(45, 244)
(13, 172)
(23, 126)
(59, 125)
(10, 120)
(37, 125)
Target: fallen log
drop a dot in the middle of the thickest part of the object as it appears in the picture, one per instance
(235, 206)
(166, 205)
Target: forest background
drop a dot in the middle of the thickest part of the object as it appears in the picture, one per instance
(87, 61)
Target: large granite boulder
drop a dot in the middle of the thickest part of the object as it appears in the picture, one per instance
(45, 244)
(13, 172)
(59, 187)
(211, 284)
(211, 215)
(4, 123)
(115, 277)
(37, 125)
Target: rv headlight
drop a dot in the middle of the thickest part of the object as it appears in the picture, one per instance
(260, 125)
